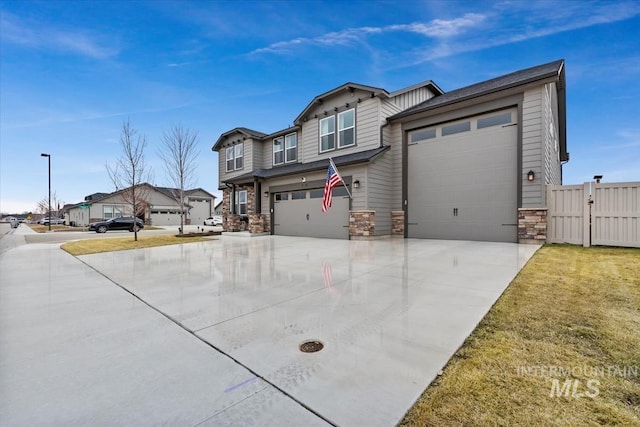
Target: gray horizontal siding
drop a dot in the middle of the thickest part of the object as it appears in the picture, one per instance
(379, 189)
(532, 155)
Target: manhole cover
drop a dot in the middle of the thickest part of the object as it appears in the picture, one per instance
(311, 346)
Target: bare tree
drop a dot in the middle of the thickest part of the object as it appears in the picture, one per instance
(56, 204)
(179, 152)
(130, 172)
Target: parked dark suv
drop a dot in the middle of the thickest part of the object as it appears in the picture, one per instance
(122, 223)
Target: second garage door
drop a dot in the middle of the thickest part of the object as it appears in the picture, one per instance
(462, 181)
(299, 213)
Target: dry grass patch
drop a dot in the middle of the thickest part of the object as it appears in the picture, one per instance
(38, 228)
(94, 246)
(570, 308)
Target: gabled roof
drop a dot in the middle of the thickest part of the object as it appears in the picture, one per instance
(167, 191)
(347, 159)
(246, 132)
(518, 78)
(342, 88)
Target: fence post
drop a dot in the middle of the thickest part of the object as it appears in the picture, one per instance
(586, 215)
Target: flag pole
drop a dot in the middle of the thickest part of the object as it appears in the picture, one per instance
(342, 180)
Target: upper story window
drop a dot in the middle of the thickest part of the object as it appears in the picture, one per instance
(347, 128)
(345, 135)
(278, 151)
(327, 133)
(285, 149)
(235, 157)
(291, 147)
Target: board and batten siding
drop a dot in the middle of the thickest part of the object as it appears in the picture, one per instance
(532, 146)
(410, 98)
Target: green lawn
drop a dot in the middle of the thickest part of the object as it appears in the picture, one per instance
(568, 325)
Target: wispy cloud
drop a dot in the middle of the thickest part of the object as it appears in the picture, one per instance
(437, 28)
(42, 36)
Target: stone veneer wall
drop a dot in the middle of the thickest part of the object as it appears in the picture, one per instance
(532, 225)
(397, 223)
(362, 223)
(236, 222)
(259, 223)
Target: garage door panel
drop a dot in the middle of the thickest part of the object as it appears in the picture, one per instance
(464, 186)
(304, 217)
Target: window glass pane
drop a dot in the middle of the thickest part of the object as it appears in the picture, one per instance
(278, 158)
(239, 150)
(346, 119)
(277, 144)
(346, 137)
(292, 154)
(229, 153)
(456, 128)
(316, 194)
(339, 192)
(242, 196)
(327, 143)
(297, 195)
(327, 126)
(230, 165)
(282, 196)
(500, 119)
(291, 140)
(238, 162)
(421, 135)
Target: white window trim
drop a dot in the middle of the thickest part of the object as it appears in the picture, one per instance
(284, 146)
(338, 130)
(326, 134)
(281, 150)
(232, 151)
(238, 204)
(233, 158)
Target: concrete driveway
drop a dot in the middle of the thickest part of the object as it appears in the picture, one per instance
(209, 333)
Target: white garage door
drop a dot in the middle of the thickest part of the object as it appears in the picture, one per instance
(462, 181)
(299, 213)
(165, 217)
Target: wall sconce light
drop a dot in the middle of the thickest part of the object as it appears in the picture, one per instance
(303, 179)
(266, 194)
(531, 176)
(598, 178)
(356, 184)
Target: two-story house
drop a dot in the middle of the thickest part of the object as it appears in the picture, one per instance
(419, 162)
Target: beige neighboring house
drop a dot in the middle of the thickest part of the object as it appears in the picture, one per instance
(159, 205)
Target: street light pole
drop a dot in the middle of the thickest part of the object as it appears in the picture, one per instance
(48, 156)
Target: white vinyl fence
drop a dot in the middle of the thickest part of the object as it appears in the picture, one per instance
(594, 214)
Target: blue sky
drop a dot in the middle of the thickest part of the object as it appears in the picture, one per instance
(71, 72)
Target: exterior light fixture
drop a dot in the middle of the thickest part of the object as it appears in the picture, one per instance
(266, 194)
(598, 178)
(356, 184)
(531, 176)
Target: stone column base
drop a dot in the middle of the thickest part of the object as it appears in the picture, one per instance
(532, 225)
(397, 223)
(362, 223)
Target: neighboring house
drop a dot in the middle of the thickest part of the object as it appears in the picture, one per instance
(159, 205)
(466, 164)
(218, 209)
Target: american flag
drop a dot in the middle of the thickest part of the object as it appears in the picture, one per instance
(333, 179)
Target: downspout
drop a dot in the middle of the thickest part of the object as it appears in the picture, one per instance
(386, 123)
(232, 198)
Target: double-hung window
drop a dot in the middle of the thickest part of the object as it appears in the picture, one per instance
(234, 157)
(291, 147)
(241, 202)
(327, 133)
(278, 151)
(344, 136)
(347, 128)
